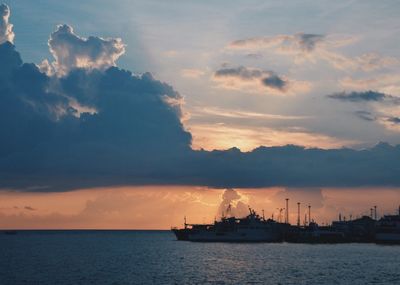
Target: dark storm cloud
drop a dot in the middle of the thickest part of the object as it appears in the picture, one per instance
(135, 136)
(134, 131)
(360, 96)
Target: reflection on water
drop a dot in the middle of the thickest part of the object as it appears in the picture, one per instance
(155, 257)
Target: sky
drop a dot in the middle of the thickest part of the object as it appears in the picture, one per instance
(184, 43)
(127, 97)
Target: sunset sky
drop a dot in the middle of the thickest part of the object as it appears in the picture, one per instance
(133, 114)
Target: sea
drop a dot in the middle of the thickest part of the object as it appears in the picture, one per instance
(156, 257)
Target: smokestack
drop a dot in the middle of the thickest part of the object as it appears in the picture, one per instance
(298, 214)
(287, 211)
(376, 217)
(371, 213)
(309, 214)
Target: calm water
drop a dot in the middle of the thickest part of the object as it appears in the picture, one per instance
(154, 257)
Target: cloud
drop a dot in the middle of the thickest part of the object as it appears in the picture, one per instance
(387, 83)
(192, 73)
(395, 120)
(6, 29)
(233, 204)
(274, 81)
(366, 62)
(390, 122)
(50, 131)
(254, 55)
(257, 81)
(71, 51)
(29, 208)
(314, 47)
(365, 115)
(360, 96)
(240, 114)
(384, 106)
(299, 41)
(97, 125)
(222, 136)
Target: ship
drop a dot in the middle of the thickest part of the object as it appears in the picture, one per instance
(358, 230)
(388, 229)
(251, 228)
(313, 233)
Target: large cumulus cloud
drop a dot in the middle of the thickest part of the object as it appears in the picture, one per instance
(94, 124)
(133, 128)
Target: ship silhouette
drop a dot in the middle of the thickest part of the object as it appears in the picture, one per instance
(252, 228)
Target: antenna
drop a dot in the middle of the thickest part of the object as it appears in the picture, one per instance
(184, 220)
(376, 217)
(298, 214)
(371, 213)
(309, 214)
(287, 211)
(263, 214)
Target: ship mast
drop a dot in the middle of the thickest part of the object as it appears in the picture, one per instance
(298, 214)
(287, 211)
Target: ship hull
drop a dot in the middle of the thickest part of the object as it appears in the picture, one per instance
(387, 238)
(235, 236)
(181, 234)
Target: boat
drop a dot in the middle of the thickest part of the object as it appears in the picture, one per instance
(388, 229)
(357, 230)
(313, 233)
(251, 228)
